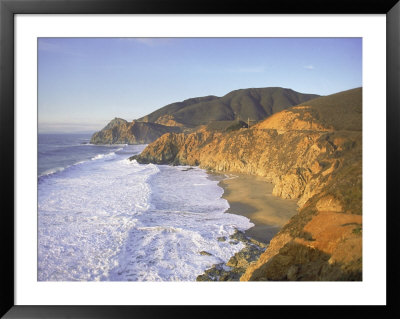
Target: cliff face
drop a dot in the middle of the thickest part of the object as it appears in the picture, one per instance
(119, 131)
(312, 153)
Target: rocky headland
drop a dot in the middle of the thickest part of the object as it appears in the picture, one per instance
(120, 131)
(311, 152)
(209, 111)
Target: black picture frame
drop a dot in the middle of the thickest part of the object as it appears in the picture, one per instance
(8, 8)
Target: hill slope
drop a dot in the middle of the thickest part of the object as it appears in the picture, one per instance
(340, 111)
(170, 109)
(255, 103)
(311, 152)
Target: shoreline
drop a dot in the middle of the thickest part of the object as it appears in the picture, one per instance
(251, 196)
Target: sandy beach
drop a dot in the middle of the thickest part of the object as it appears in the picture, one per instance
(251, 196)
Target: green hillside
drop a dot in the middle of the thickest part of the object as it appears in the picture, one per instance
(255, 103)
(175, 107)
(342, 110)
(218, 113)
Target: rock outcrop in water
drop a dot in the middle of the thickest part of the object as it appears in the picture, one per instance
(311, 152)
(234, 268)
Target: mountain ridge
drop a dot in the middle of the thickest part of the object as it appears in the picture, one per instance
(254, 103)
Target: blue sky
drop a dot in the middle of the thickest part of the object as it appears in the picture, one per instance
(86, 82)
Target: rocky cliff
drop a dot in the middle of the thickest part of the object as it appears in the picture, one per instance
(311, 152)
(120, 131)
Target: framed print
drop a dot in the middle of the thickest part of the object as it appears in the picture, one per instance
(159, 155)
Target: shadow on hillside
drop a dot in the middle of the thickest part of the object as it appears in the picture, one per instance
(297, 262)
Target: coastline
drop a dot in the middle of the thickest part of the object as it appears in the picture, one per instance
(251, 196)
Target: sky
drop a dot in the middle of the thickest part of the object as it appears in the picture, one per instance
(83, 83)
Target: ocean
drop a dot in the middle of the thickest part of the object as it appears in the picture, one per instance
(102, 217)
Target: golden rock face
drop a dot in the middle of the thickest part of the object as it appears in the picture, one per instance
(119, 131)
(312, 153)
(168, 120)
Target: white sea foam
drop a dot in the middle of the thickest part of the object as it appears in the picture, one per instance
(100, 156)
(97, 157)
(113, 219)
(52, 171)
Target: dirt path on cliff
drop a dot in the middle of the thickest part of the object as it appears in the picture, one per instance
(251, 196)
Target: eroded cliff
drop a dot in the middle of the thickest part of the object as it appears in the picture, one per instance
(120, 131)
(312, 153)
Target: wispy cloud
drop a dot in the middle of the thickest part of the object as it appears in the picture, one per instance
(309, 67)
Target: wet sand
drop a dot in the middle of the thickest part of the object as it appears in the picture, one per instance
(251, 196)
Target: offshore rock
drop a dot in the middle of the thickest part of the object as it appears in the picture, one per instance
(237, 264)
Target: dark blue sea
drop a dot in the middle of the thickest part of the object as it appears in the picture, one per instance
(58, 151)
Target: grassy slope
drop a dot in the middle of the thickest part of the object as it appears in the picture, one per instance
(336, 112)
(255, 104)
(341, 110)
